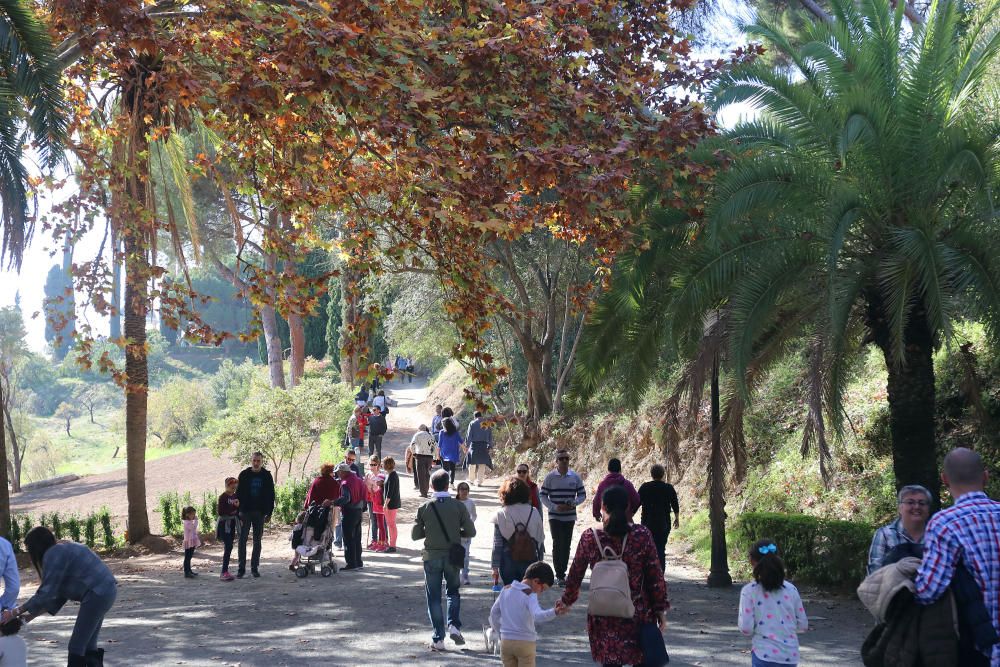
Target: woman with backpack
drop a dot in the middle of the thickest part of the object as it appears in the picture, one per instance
(518, 532)
(626, 613)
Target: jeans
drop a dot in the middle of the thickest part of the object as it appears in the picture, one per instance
(436, 570)
(757, 662)
(256, 521)
(338, 533)
(89, 619)
(390, 526)
(467, 543)
(422, 471)
(562, 536)
(188, 553)
(512, 570)
(373, 524)
(352, 536)
(375, 446)
(450, 467)
(228, 537)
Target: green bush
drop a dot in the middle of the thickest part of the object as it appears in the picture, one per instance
(827, 552)
(56, 525)
(109, 535)
(74, 528)
(25, 525)
(15, 534)
(90, 531)
(289, 498)
(208, 510)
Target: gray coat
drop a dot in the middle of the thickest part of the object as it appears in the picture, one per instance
(480, 442)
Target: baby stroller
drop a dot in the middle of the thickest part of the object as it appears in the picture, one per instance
(316, 549)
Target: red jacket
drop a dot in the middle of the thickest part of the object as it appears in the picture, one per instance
(357, 490)
(611, 479)
(322, 488)
(535, 500)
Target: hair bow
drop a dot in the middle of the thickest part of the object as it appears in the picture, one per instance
(768, 549)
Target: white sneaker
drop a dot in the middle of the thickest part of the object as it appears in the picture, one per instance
(456, 635)
(437, 645)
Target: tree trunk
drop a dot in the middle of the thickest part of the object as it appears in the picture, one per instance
(718, 576)
(137, 389)
(296, 322)
(911, 402)
(272, 341)
(539, 391)
(116, 290)
(350, 356)
(4, 491)
(14, 462)
(67, 427)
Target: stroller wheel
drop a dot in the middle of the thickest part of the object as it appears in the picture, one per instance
(326, 571)
(302, 572)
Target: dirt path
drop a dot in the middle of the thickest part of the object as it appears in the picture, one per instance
(377, 616)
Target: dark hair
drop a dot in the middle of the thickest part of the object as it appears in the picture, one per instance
(514, 491)
(38, 540)
(477, 414)
(447, 412)
(440, 480)
(658, 471)
(189, 510)
(389, 463)
(541, 571)
(260, 454)
(449, 425)
(381, 392)
(768, 568)
(615, 501)
(614, 465)
(13, 626)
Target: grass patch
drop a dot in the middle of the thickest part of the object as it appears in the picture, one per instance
(697, 536)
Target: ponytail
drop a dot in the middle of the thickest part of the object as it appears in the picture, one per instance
(768, 568)
(615, 503)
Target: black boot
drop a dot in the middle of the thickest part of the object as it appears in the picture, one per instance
(77, 660)
(95, 658)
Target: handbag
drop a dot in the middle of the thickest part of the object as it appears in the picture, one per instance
(456, 552)
(654, 649)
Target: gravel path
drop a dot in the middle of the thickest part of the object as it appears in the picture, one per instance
(377, 616)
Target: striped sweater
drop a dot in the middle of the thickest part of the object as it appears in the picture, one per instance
(560, 489)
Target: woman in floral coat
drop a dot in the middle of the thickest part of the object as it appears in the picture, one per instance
(615, 641)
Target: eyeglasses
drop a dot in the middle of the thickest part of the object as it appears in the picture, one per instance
(562, 458)
(915, 503)
(522, 472)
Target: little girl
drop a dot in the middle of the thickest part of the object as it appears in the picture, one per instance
(770, 610)
(191, 539)
(297, 537)
(229, 524)
(462, 494)
(375, 481)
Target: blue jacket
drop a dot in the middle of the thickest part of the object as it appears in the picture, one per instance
(70, 571)
(450, 446)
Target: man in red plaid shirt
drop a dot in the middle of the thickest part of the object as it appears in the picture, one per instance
(969, 532)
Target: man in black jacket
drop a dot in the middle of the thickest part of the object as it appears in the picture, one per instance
(658, 498)
(256, 494)
(376, 429)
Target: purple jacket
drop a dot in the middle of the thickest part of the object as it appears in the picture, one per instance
(611, 479)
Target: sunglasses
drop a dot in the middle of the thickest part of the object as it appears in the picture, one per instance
(563, 458)
(522, 472)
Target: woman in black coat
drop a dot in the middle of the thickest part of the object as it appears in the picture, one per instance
(391, 500)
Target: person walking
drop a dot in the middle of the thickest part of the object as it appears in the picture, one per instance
(562, 491)
(905, 535)
(616, 641)
(227, 530)
(381, 401)
(658, 499)
(771, 611)
(450, 443)
(462, 495)
(516, 611)
(442, 522)
(424, 451)
(964, 534)
(616, 478)
(11, 577)
(480, 442)
(355, 430)
(436, 420)
(524, 474)
(353, 496)
(69, 571)
(518, 532)
(255, 490)
(376, 429)
(392, 501)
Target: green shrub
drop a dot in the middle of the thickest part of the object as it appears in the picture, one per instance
(827, 552)
(109, 535)
(56, 525)
(289, 498)
(25, 525)
(15, 534)
(74, 528)
(207, 511)
(90, 531)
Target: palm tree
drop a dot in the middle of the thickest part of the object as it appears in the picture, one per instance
(31, 106)
(860, 202)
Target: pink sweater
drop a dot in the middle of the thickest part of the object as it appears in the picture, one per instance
(191, 538)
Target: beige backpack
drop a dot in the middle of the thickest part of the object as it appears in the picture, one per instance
(610, 593)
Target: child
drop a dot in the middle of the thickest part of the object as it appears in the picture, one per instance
(391, 500)
(297, 537)
(375, 481)
(462, 494)
(771, 610)
(229, 524)
(516, 611)
(191, 540)
(13, 651)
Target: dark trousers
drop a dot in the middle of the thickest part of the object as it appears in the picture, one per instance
(450, 467)
(228, 538)
(93, 608)
(188, 553)
(250, 520)
(373, 524)
(660, 538)
(562, 536)
(375, 446)
(422, 470)
(352, 536)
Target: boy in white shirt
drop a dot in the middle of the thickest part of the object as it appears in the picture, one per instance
(13, 650)
(516, 611)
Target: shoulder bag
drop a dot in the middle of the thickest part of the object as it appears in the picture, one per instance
(456, 552)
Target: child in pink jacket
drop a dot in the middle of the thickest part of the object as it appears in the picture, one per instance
(191, 539)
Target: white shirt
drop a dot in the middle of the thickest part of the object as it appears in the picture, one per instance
(773, 619)
(380, 401)
(516, 611)
(13, 651)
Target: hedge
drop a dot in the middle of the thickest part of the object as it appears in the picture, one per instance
(827, 552)
(68, 526)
